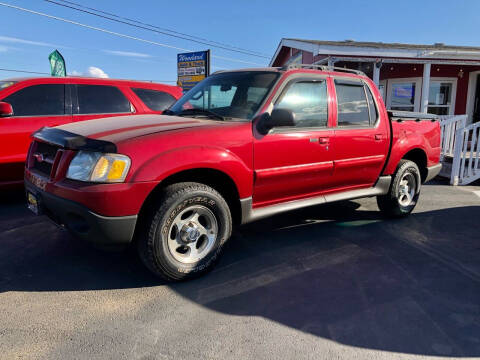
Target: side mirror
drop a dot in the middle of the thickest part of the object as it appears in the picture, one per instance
(5, 109)
(278, 118)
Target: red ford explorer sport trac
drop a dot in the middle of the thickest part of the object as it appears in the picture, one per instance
(28, 104)
(240, 146)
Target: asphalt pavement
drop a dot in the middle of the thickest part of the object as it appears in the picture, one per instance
(329, 282)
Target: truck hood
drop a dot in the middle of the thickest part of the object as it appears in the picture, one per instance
(120, 128)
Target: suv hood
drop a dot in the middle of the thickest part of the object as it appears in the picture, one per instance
(119, 128)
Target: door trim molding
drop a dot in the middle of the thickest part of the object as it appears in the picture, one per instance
(249, 214)
(293, 170)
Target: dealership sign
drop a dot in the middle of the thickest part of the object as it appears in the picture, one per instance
(192, 68)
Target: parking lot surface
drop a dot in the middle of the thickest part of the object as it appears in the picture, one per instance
(329, 282)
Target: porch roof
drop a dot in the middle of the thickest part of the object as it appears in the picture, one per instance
(350, 50)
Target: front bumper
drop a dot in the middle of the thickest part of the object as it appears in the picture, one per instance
(103, 231)
(433, 171)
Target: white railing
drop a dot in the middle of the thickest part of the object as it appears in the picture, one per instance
(448, 127)
(451, 128)
(469, 169)
(460, 149)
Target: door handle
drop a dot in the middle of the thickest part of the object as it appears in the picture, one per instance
(323, 141)
(378, 137)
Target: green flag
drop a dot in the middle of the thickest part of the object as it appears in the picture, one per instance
(57, 64)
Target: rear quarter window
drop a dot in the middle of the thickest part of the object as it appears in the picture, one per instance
(154, 99)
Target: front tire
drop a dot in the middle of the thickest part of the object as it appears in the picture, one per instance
(185, 233)
(404, 191)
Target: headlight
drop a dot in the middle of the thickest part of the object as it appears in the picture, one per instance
(98, 167)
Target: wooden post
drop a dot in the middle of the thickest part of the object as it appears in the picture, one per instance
(425, 88)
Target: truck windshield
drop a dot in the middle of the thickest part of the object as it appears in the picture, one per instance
(227, 96)
(5, 84)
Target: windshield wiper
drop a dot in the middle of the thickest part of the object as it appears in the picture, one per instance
(168, 112)
(207, 113)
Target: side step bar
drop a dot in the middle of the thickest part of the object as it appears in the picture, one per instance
(249, 214)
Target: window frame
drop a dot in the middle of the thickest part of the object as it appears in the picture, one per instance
(67, 98)
(281, 91)
(76, 105)
(375, 101)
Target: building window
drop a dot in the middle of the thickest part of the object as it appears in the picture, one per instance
(403, 96)
(440, 97)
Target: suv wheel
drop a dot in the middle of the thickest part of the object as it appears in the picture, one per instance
(404, 191)
(184, 235)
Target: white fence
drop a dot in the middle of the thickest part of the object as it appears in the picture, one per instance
(460, 149)
(469, 169)
(449, 126)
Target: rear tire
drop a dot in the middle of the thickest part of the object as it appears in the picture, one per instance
(185, 232)
(404, 191)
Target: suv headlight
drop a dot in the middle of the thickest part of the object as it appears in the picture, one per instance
(98, 167)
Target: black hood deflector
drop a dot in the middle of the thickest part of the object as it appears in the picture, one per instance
(72, 141)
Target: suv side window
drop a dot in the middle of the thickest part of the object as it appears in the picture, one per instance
(101, 99)
(353, 109)
(154, 99)
(308, 100)
(38, 100)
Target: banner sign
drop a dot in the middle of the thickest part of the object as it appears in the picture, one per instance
(57, 64)
(192, 68)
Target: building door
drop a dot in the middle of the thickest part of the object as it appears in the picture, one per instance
(476, 102)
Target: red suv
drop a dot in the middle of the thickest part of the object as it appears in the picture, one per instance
(28, 104)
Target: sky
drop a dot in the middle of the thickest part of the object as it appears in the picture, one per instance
(26, 39)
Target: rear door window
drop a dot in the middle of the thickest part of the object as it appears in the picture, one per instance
(38, 100)
(101, 99)
(154, 99)
(352, 103)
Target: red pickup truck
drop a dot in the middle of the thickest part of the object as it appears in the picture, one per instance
(239, 146)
